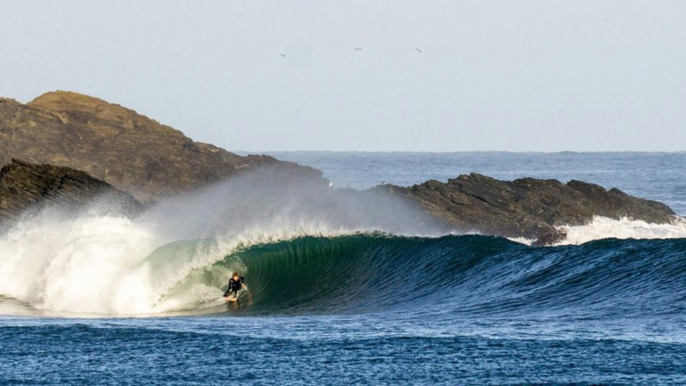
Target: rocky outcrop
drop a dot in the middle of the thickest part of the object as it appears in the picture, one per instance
(149, 160)
(27, 188)
(119, 146)
(527, 207)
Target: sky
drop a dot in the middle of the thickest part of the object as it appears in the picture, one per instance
(361, 75)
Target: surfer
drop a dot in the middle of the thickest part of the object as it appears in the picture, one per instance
(236, 284)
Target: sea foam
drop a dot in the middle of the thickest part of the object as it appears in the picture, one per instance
(625, 228)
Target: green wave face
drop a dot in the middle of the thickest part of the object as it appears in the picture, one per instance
(467, 275)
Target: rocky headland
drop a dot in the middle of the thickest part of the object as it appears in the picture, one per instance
(527, 208)
(75, 148)
(130, 151)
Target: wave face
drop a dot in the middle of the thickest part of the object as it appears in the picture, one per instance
(108, 266)
(465, 275)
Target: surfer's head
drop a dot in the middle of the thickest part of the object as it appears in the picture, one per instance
(235, 275)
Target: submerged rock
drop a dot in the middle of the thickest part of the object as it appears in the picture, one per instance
(527, 207)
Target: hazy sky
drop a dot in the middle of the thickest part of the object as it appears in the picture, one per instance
(491, 75)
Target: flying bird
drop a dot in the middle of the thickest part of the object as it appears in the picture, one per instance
(283, 55)
(357, 49)
(418, 50)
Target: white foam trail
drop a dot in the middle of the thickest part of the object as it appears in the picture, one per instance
(100, 265)
(625, 228)
(71, 266)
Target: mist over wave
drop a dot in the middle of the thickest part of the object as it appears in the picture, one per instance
(103, 264)
(178, 255)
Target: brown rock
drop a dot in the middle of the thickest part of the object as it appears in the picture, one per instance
(117, 145)
(527, 207)
(27, 188)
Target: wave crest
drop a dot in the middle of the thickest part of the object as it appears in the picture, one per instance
(625, 228)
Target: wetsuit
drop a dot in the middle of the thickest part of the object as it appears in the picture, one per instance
(234, 286)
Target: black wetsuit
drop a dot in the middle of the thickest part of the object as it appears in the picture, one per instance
(234, 286)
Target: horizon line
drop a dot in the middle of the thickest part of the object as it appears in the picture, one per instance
(266, 152)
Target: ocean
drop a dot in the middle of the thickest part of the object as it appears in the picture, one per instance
(101, 299)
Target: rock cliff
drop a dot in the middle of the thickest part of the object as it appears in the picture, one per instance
(26, 188)
(527, 207)
(119, 146)
(79, 140)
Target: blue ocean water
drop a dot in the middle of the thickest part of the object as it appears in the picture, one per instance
(657, 176)
(361, 308)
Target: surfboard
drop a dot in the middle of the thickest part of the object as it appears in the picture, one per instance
(238, 295)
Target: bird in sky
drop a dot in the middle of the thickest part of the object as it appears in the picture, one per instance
(418, 50)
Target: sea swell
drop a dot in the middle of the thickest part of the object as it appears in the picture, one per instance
(465, 275)
(107, 266)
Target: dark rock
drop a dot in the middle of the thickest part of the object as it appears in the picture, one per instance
(526, 207)
(27, 188)
(148, 160)
(115, 144)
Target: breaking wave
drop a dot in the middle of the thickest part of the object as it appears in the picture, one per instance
(109, 266)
